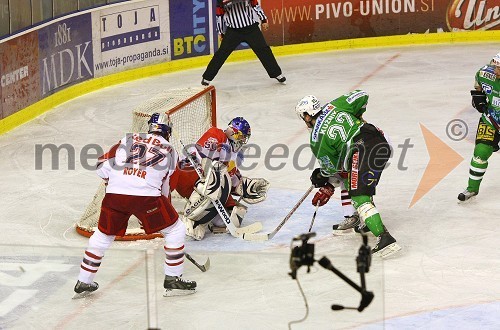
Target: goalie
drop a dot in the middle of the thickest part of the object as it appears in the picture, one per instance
(218, 153)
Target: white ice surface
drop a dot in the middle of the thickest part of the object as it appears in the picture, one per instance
(445, 277)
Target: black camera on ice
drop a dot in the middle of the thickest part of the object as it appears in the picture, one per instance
(302, 254)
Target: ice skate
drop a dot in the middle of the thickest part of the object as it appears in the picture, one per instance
(362, 229)
(83, 289)
(466, 195)
(347, 226)
(386, 245)
(177, 286)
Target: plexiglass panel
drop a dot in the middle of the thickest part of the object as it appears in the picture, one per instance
(36, 289)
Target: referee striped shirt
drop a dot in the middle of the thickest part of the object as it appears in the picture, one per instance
(238, 14)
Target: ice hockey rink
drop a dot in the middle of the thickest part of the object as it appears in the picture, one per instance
(445, 277)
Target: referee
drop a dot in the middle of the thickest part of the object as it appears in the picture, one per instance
(237, 23)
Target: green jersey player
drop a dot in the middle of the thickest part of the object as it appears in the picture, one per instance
(486, 100)
(343, 142)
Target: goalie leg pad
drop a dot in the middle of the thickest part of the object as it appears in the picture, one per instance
(198, 208)
(238, 213)
(194, 229)
(196, 216)
(195, 205)
(252, 190)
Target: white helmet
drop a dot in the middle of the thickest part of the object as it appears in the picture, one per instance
(496, 60)
(308, 105)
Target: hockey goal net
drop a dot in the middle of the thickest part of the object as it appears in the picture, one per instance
(192, 112)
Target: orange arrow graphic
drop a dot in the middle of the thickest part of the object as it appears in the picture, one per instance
(443, 159)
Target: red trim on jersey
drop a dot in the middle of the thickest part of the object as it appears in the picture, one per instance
(110, 154)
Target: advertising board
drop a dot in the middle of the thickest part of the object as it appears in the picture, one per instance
(130, 36)
(19, 73)
(302, 21)
(65, 53)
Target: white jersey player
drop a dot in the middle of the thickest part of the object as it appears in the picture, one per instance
(139, 171)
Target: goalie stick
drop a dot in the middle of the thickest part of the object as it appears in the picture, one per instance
(235, 231)
(265, 237)
(203, 267)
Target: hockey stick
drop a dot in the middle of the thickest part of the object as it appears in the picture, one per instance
(203, 267)
(265, 237)
(235, 231)
(314, 217)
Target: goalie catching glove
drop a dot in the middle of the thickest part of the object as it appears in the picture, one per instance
(252, 190)
(323, 195)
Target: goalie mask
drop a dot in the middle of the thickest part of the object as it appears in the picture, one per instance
(238, 132)
(159, 123)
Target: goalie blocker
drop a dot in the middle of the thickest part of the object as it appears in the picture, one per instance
(199, 211)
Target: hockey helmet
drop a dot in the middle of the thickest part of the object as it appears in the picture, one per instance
(159, 123)
(239, 132)
(496, 60)
(309, 104)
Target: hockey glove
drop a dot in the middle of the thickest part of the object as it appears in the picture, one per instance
(479, 100)
(323, 195)
(317, 179)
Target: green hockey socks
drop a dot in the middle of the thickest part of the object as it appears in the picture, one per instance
(369, 214)
(478, 165)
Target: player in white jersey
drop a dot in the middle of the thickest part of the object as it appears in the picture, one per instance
(218, 151)
(139, 172)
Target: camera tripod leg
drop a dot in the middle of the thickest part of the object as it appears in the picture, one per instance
(326, 263)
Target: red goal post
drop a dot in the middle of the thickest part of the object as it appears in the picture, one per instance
(192, 111)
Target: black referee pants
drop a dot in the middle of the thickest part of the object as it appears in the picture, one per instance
(253, 36)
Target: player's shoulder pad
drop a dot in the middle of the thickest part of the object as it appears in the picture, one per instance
(487, 73)
(217, 133)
